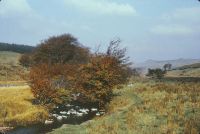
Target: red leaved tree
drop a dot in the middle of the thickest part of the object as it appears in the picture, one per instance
(51, 84)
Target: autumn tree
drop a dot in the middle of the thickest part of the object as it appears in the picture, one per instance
(51, 84)
(55, 61)
(25, 60)
(63, 67)
(60, 49)
(119, 54)
(96, 79)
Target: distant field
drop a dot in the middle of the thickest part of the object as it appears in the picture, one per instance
(185, 73)
(9, 57)
(147, 108)
(192, 70)
(196, 65)
(10, 70)
(16, 108)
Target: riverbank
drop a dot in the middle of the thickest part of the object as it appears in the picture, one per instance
(139, 107)
(17, 108)
(147, 107)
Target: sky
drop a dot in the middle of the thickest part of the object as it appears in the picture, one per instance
(149, 29)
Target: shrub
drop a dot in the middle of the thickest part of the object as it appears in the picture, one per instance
(60, 49)
(96, 80)
(70, 69)
(156, 73)
(51, 84)
(25, 60)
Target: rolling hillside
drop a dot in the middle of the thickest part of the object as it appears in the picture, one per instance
(16, 48)
(10, 70)
(192, 70)
(159, 64)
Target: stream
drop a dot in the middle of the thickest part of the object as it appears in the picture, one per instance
(70, 114)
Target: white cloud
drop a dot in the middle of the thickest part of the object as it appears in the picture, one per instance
(183, 14)
(172, 30)
(20, 23)
(182, 21)
(9, 7)
(102, 7)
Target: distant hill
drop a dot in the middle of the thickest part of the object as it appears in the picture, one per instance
(195, 65)
(192, 70)
(10, 70)
(16, 48)
(7, 57)
(159, 64)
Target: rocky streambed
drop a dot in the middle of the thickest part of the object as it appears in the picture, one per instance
(68, 114)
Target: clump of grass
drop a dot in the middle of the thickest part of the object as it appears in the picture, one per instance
(17, 108)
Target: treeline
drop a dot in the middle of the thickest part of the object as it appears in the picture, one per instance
(16, 48)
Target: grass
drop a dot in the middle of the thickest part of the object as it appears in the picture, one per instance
(147, 108)
(195, 65)
(10, 68)
(16, 108)
(7, 57)
(189, 72)
(192, 70)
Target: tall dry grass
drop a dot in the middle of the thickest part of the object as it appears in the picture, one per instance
(152, 107)
(16, 108)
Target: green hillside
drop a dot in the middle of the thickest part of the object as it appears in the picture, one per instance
(10, 70)
(195, 65)
(16, 48)
(7, 57)
(192, 70)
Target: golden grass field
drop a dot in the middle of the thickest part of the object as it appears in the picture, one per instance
(147, 108)
(194, 72)
(16, 108)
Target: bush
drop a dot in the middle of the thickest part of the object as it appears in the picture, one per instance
(96, 80)
(60, 49)
(69, 69)
(25, 60)
(156, 73)
(51, 84)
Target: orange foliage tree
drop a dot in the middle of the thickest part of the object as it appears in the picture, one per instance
(96, 79)
(60, 49)
(51, 84)
(54, 62)
(62, 69)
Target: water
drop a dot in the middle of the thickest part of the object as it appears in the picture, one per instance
(73, 119)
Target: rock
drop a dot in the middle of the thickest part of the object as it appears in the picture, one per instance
(63, 112)
(102, 113)
(72, 111)
(68, 113)
(79, 114)
(68, 105)
(85, 111)
(94, 109)
(64, 117)
(55, 115)
(98, 114)
(48, 122)
(59, 118)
